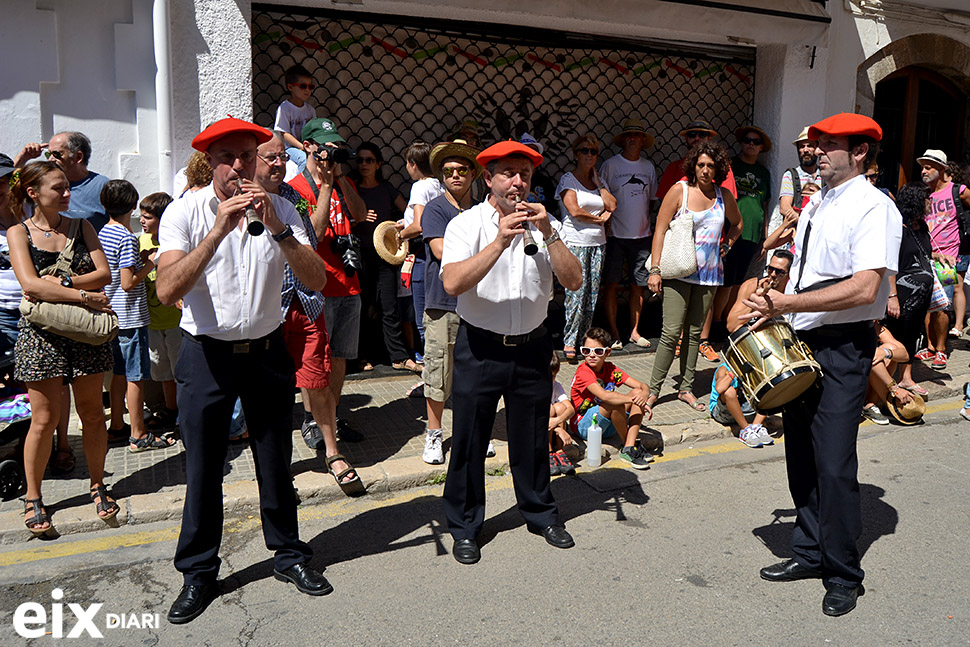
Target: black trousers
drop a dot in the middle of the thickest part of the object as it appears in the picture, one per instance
(821, 430)
(211, 374)
(388, 278)
(486, 370)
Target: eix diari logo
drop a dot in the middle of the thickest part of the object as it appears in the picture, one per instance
(31, 619)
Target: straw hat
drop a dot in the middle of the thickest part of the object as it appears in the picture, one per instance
(802, 137)
(934, 156)
(908, 414)
(457, 148)
(388, 247)
(633, 126)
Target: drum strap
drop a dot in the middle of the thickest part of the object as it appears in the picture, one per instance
(801, 256)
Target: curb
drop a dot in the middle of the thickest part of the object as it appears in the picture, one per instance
(315, 488)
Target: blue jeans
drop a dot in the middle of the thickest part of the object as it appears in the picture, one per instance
(131, 357)
(417, 293)
(298, 156)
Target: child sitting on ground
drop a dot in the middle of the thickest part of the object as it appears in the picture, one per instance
(295, 111)
(164, 334)
(126, 293)
(728, 406)
(560, 411)
(594, 392)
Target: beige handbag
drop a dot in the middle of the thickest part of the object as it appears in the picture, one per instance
(679, 257)
(72, 320)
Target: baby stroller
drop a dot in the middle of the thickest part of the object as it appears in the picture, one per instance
(14, 422)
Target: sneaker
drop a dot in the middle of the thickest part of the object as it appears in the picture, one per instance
(312, 435)
(554, 469)
(924, 354)
(433, 453)
(873, 413)
(708, 352)
(939, 361)
(764, 436)
(565, 465)
(634, 456)
(490, 452)
(750, 436)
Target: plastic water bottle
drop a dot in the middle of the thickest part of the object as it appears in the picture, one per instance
(594, 444)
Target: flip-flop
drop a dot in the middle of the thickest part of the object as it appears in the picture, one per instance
(916, 389)
(697, 405)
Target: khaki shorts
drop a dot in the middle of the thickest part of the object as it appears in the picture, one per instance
(163, 352)
(440, 332)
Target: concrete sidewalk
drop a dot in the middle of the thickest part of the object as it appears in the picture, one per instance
(149, 486)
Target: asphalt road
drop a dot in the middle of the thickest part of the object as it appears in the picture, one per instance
(669, 556)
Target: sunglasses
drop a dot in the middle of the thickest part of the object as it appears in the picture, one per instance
(775, 270)
(752, 140)
(696, 134)
(599, 351)
(272, 158)
(367, 160)
(872, 177)
(58, 155)
(462, 171)
(304, 86)
(587, 151)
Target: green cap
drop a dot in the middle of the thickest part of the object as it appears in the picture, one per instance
(322, 131)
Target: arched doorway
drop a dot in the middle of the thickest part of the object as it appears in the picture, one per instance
(917, 109)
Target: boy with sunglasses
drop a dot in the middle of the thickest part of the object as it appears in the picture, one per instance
(295, 111)
(594, 392)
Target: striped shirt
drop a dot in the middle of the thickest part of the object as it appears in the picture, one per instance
(121, 248)
(312, 302)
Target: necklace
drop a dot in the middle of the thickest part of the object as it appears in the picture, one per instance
(47, 232)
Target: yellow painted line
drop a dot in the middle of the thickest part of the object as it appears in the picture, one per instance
(353, 506)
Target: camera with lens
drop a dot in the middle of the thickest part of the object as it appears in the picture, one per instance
(348, 249)
(335, 155)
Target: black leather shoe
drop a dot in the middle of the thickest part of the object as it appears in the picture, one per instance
(191, 602)
(466, 551)
(556, 536)
(839, 599)
(305, 578)
(788, 572)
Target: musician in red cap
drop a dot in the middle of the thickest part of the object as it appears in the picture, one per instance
(847, 247)
(502, 349)
(230, 282)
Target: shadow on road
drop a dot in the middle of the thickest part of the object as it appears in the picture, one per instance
(878, 520)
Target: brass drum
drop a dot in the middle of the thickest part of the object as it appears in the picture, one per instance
(771, 364)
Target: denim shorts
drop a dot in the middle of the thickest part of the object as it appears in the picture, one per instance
(342, 317)
(582, 428)
(131, 356)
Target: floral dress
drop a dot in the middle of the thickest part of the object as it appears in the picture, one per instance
(41, 355)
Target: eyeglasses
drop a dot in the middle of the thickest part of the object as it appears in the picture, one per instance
(696, 134)
(751, 140)
(367, 160)
(228, 158)
(775, 270)
(587, 151)
(304, 86)
(272, 158)
(462, 171)
(599, 351)
(58, 155)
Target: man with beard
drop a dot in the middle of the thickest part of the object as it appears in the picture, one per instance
(790, 200)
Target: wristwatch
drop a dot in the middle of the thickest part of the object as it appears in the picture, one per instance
(551, 238)
(283, 235)
(67, 282)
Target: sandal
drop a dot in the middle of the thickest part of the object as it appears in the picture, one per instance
(652, 400)
(642, 342)
(677, 349)
(339, 476)
(148, 441)
(39, 519)
(107, 505)
(569, 354)
(915, 388)
(407, 365)
(63, 461)
(696, 405)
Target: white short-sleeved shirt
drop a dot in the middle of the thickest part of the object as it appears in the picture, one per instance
(290, 119)
(855, 227)
(634, 185)
(239, 295)
(804, 177)
(422, 192)
(513, 297)
(574, 231)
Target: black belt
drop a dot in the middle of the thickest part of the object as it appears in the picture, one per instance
(839, 329)
(508, 340)
(241, 346)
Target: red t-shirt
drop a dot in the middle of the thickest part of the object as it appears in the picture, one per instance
(609, 377)
(338, 283)
(674, 173)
